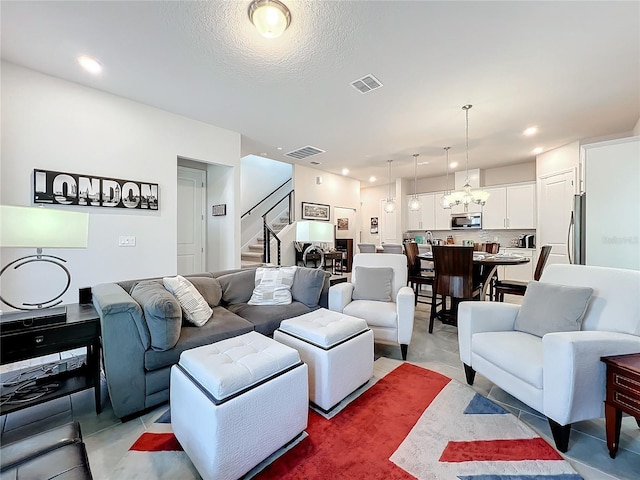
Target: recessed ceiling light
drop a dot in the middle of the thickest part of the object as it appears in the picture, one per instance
(537, 150)
(90, 64)
(453, 165)
(279, 148)
(345, 171)
(423, 163)
(530, 131)
(372, 179)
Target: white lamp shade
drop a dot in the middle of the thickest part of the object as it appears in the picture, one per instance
(308, 232)
(41, 227)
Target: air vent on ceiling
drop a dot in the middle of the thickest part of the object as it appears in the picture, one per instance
(304, 152)
(366, 84)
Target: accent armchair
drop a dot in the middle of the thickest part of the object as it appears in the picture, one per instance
(559, 373)
(378, 293)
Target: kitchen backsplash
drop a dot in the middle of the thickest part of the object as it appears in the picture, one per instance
(506, 238)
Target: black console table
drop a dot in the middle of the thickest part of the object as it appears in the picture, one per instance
(81, 329)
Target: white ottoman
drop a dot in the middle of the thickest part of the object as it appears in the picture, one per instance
(235, 402)
(337, 348)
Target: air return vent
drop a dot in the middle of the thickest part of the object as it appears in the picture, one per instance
(304, 152)
(366, 84)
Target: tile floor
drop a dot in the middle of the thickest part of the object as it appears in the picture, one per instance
(108, 439)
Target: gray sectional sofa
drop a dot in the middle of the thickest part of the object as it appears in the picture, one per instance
(143, 333)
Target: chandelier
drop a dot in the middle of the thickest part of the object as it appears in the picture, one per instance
(466, 196)
(414, 201)
(390, 205)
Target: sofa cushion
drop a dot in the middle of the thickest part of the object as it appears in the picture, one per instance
(374, 283)
(162, 313)
(518, 353)
(547, 307)
(307, 286)
(273, 286)
(227, 325)
(237, 287)
(209, 288)
(266, 318)
(194, 306)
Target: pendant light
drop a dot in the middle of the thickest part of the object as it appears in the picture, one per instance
(466, 196)
(414, 201)
(446, 201)
(390, 205)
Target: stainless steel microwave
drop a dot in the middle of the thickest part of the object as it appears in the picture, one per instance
(466, 221)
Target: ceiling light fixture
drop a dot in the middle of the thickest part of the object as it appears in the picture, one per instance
(390, 205)
(90, 64)
(537, 150)
(466, 195)
(446, 201)
(270, 17)
(530, 131)
(372, 179)
(414, 201)
(345, 171)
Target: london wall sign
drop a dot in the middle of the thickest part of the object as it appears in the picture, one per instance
(60, 188)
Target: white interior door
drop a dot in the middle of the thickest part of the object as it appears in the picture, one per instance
(555, 206)
(191, 220)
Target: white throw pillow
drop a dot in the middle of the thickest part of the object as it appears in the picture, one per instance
(195, 307)
(273, 286)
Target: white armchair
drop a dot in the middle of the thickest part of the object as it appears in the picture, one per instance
(559, 374)
(391, 320)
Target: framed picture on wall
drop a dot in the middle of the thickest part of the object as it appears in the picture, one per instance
(315, 211)
(343, 224)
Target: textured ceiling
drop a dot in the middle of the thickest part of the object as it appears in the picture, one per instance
(570, 68)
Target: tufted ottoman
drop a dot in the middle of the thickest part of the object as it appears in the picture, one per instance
(337, 348)
(235, 402)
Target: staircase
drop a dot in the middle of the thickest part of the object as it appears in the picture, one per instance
(253, 256)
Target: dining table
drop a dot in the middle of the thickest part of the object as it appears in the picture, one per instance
(485, 266)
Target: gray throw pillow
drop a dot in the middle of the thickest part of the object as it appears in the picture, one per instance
(373, 283)
(209, 288)
(162, 313)
(307, 286)
(548, 308)
(237, 287)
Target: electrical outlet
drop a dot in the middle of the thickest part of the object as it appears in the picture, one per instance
(127, 241)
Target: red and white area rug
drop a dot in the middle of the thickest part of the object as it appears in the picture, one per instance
(412, 423)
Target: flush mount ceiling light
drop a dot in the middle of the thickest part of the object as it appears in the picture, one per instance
(270, 17)
(414, 201)
(390, 205)
(530, 131)
(90, 64)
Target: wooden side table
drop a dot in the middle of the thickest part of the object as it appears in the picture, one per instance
(623, 395)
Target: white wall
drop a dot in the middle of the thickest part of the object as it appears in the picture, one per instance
(270, 173)
(636, 129)
(53, 124)
(558, 160)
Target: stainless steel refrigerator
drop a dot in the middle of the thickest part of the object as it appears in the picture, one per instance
(605, 228)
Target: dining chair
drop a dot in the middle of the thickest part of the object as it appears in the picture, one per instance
(418, 275)
(516, 287)
(392, 248)
(453, 278)
(367, 247)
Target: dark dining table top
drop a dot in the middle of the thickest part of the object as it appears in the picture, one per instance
(482, 258)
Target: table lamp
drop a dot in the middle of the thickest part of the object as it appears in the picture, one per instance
(313, 233)
(41, 227)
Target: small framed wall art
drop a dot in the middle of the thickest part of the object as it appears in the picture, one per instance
(219, 210)
(316, 211)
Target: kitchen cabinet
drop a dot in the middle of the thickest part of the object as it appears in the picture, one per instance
(473, 208)
(423, 219)
(522, 272)
(442, 215)
(510, 207)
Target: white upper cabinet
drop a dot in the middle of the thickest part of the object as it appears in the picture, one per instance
(431, 215)
(510, 207)
(414, 219)
(428, 211)
(473, 208)
(443, 215)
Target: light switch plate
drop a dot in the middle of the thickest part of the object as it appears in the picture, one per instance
(127, 241)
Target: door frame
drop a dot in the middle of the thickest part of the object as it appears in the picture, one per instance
(203, 213)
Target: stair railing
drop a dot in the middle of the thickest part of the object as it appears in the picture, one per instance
(248, 212)
(269, 233)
